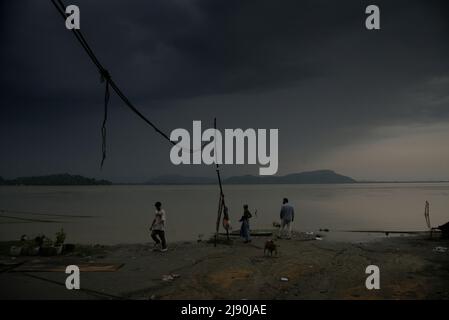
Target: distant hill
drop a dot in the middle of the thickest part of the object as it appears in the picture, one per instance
(55, 180)
(311, 177)
(179, 179)
(2, 181)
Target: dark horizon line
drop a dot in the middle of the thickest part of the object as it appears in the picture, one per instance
(227, 183)
(148, 182)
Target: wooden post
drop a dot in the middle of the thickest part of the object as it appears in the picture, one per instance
(221, 202)
(427, 216)
(217, 226)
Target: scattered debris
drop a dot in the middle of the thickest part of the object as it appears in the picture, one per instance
(167, 277)
(170, 277)
(284, 279)
(440, 249)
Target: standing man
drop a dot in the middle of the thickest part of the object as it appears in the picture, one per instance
(287, 217)
(158, 228)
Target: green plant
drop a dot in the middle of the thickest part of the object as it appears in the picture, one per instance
(60, 237)
(47, 242)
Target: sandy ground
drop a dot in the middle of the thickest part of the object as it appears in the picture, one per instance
(409, 269)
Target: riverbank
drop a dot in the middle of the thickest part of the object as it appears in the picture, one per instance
(304, 268)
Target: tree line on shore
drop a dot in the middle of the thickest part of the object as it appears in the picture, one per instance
(54, 179)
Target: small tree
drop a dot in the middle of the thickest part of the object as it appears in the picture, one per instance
(60, 237)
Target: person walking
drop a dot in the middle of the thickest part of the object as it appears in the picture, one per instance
(158, 228)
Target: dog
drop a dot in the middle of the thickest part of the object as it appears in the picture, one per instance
(270, 247)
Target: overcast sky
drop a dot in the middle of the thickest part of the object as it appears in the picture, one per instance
(368, 104)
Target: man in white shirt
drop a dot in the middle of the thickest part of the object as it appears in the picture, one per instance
(287, 216)
(158, 227)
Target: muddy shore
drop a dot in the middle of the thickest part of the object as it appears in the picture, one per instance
(304, 268)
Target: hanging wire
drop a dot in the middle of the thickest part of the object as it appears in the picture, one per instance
(105, 77)
(60, 7)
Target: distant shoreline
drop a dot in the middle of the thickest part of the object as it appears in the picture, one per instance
(212, 184)
(317, 177)
(266, 184)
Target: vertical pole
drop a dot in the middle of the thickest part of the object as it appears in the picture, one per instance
(221, 201)
(427, 216)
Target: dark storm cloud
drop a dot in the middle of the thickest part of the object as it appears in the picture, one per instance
(312, 62)
(176, 49)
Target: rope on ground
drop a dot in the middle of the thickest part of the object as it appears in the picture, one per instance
(85, 290)
(28, 219)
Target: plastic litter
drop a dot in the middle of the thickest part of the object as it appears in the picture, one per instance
(167, 277)
(440, 249)
(170, 277)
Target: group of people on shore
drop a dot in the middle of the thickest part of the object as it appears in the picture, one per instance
(287, 215)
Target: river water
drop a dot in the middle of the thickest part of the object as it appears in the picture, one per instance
(122, 214)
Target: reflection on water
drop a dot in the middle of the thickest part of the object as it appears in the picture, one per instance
(122, 214)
